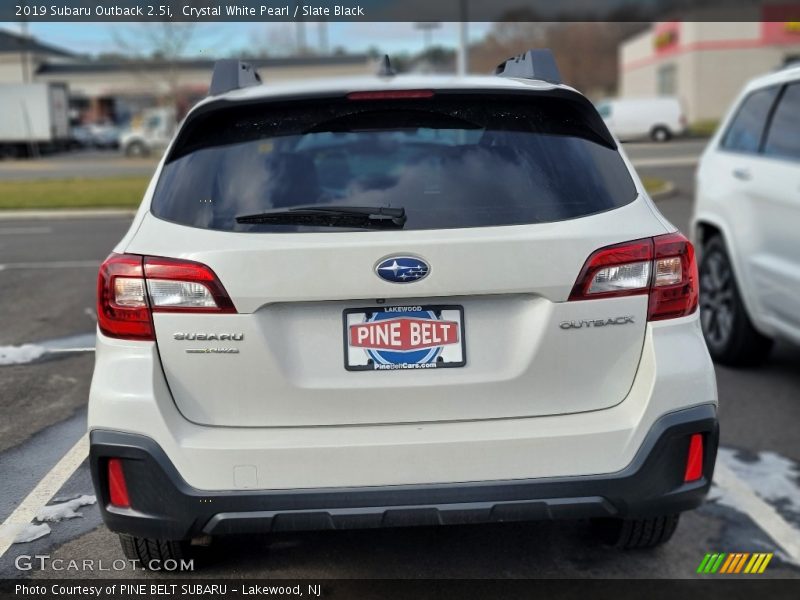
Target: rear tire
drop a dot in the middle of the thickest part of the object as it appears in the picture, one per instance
(660, 134)
(153, 553)
(727, 328)
(136, 150)
(636, 533)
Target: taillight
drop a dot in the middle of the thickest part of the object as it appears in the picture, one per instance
(122, 310)
(184, 286)
(663, 267)
(675, 289)
(131, 287)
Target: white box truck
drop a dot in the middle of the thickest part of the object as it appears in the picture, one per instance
(659, 119)
(34, 117)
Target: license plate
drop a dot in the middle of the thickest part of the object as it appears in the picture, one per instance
(390, 338)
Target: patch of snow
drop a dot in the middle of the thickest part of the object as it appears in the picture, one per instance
(30, 532)
(772, 477)
(65, 510)
(19, 355)
(83, 342)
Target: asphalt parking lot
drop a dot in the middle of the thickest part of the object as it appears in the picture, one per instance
(47, 279)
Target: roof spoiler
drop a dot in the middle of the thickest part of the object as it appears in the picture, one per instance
(537, 63)
(232, 74)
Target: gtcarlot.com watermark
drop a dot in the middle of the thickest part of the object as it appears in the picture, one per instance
(41, 562)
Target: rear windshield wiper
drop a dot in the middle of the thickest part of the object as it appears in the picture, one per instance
(331, 216)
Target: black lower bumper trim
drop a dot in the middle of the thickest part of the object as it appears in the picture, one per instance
(164, 506)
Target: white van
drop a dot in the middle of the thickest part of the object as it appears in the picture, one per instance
(660, 118)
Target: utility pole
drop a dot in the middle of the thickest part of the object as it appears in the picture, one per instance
(300, 40)
(427, 32)
(26, 74)
(324, 47)
(300, 35)
(462, 56)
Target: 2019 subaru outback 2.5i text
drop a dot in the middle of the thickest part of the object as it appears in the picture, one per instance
(398, 301)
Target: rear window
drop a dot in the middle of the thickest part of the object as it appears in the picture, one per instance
(449, 161)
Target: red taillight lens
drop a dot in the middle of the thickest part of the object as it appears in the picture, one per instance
(117, 488)
(122, 310)
(131, 287)
(694, 461)
(390, 95)
(663, 267)
(675, 287)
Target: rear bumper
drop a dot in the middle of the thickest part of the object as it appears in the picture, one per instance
(165, 506)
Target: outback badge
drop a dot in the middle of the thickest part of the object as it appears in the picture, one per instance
(625, 320)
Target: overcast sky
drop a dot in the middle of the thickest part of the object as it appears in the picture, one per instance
(222, 39)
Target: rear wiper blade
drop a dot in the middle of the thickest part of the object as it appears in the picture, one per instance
(331, 216)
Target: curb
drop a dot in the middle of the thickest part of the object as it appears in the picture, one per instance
(65, 213)
(669, 191)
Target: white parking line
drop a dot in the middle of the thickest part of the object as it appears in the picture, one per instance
(24, 230)
(675, 161)
(53, 264)
(678, 161)
(766, 517)
(9, 215)
(41, 494)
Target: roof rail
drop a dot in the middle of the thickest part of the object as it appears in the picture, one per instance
(537, 63)
(232, 74)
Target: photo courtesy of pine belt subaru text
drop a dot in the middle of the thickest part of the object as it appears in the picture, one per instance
(392, 301)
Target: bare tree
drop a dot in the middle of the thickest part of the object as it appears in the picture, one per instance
(276, 39)
(586, 52)
(155, 51)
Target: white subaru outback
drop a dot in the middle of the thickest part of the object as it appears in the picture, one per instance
(394, 301)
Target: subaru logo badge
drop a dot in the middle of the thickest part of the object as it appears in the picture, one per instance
(402, 269)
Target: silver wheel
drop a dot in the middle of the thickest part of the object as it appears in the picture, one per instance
(717, 306)
(660, 134)
(729, 333)
(136, 150)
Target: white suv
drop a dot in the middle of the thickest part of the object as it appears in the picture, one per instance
(747, 220)
(398, 301)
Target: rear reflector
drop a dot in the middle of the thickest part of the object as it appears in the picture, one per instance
(694, 462)
(117, 488)
(131, 287)
(663, 267)
(390, 95)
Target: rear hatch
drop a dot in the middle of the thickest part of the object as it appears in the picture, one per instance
(458, 310)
